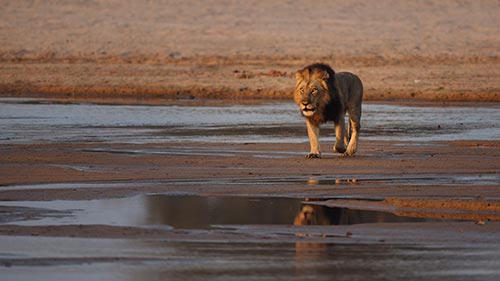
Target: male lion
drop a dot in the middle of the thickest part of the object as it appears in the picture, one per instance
(323, 95)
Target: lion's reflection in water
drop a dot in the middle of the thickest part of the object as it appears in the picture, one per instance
(200, 212)
(312, 214)
(320, 215)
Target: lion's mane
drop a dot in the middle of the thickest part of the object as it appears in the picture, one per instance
(330, 104)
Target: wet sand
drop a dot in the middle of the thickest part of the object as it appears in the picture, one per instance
(52, 152)
(381, 169)
(452, 186)
(191, 178)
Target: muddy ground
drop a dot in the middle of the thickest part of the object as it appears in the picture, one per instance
(434, 204)
(391, 161)
(193, 190)
(446, 171)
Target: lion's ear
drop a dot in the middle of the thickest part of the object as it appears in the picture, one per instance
(299, 76)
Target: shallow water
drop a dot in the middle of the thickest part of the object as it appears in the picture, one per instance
(187, 212)
(53, 258)
(32, 121)
(44, 258)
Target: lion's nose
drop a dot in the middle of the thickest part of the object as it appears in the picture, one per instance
(305, 103)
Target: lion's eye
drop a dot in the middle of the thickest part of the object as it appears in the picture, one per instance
(314, 91)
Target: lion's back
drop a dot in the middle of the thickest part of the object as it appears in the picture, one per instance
(350, 87)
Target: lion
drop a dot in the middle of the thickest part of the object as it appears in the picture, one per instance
(310, 214)
(323, 95)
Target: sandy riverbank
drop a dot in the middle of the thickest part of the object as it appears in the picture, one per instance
(117, 50)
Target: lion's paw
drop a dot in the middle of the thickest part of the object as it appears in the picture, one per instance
(351, 149)
(339, 148)
(348, 153)
(313, 155)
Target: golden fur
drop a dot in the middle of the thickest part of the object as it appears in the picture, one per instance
(323, 95)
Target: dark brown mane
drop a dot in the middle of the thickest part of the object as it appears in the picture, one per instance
(326, 68)
(333, 109)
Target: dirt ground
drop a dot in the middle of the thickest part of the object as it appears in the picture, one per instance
(128, 51)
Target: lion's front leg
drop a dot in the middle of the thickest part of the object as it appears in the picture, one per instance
(313, 133)
(340, 135)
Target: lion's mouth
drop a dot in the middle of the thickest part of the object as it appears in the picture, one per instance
(308, 111)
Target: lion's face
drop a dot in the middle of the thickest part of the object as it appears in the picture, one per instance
(306, 216)
(311, 92)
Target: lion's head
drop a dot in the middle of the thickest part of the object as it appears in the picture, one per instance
(312, 89)
(306, 216)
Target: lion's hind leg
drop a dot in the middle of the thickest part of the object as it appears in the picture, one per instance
(340, 136)
(348, 132)
(354, 127)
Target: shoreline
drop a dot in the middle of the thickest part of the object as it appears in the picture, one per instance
(157, 83)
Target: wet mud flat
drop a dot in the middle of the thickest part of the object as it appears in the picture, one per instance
(199, 192)
(225, 238)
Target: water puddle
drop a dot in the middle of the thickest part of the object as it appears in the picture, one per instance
(26, 122)
(189, 212)
(384, 180)
(420, 253)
